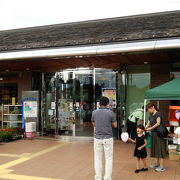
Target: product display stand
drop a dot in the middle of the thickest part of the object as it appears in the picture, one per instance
(12, 115)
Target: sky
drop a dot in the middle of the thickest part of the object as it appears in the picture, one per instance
(16, 14)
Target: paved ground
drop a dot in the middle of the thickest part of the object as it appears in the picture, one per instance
(42, 159)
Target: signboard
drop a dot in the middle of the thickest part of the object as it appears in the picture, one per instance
(111, 94)
(30, 113)
(30, 108)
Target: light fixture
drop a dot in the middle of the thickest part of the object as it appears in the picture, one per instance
(145, 62)
(27, 69)
(1, 79)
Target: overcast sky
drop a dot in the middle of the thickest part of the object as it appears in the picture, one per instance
(28, 13)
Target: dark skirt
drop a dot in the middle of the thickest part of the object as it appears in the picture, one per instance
(140, 154)
(157, 146)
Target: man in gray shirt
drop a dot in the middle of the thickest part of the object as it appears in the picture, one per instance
(103, 119)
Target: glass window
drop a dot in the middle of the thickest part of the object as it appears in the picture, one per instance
(175, 73)
(104, 79)
(138, 81)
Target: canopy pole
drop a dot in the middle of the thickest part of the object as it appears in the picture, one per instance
(158, 104)
(145, 101)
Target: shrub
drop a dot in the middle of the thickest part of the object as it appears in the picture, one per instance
(6, 134)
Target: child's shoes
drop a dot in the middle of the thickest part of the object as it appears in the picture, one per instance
(144, 169)
(137, 170)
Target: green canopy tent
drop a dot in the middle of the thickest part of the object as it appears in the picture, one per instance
(167, 91)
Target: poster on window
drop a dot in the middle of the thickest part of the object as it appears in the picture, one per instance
(66, 114)
(111, 94)
(30, 108)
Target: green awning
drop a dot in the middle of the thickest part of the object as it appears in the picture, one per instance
(167, 91)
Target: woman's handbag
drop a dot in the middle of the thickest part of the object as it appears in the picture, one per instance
(162, 130)
(178, 148)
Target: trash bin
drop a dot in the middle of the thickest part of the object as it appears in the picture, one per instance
(30, 130)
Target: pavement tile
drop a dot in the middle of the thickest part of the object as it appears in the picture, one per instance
(73, 161)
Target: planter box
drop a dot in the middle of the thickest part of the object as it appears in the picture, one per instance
(6, 140)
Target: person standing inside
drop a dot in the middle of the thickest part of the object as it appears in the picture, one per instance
(103, 120)
(157, 143)
(136, 116)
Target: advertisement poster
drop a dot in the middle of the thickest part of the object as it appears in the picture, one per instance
(30, 109)
(111, 94)
(66, 115)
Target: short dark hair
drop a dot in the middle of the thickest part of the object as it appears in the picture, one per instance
(140, 126)
(103, 101)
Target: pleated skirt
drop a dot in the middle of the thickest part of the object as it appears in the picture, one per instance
(157, 146)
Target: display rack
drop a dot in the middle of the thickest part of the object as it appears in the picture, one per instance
(11, 114)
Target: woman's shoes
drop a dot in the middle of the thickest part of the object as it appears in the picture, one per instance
(154, 166)
(160, 169)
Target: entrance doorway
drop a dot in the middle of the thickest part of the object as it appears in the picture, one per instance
(76, 93)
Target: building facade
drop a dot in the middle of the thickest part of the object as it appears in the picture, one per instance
(72, 65)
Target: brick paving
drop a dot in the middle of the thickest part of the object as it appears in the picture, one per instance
(45, 159)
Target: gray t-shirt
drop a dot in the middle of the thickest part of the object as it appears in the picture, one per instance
(103, 119)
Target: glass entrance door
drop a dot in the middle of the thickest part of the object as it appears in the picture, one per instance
(65, 102)
(84, 102)
(76, 93)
